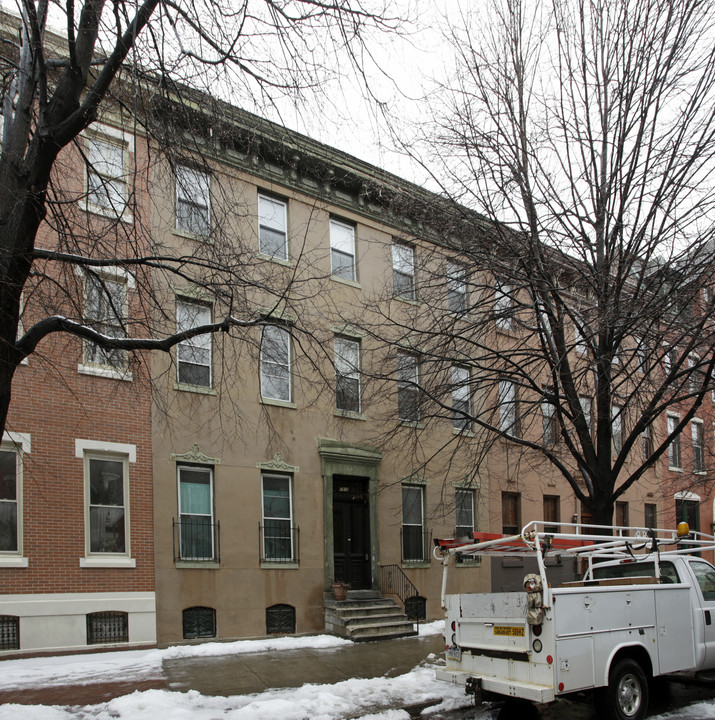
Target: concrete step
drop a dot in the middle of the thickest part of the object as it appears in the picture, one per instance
(367, 619)
(381, 631)
(375, 619)
(378, 610)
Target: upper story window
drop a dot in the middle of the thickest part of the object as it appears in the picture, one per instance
(461, 398)
(408, 388)
(617, 427)
(272, 227)
(193, 203)
(674, 447)
(456, 287)
(347, 374)
(508, 415)
(586, 404)
(276, 364)
(549, 421)
(342, 250)
(464, 501)
(107, 504)
(413, 530)
(105, 311)
(106, 184)
(504, 305)
(193, 356)
(698, 438)
(10, 501)
(403, 271)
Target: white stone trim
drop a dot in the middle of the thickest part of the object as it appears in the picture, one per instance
(23, 440)
(81, 446)
(95, 561)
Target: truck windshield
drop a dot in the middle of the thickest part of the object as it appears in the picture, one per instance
(668, 573)
(705, 574)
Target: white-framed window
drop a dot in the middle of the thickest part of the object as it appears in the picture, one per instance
(342, 250)
(107, 497)
(617, 427)
(272, 227)
(456, 287)
(670, 358)
(193, 356)
(503, 305)
(461, 399)
(276, 381)
(105, 312)
(695, 376)
(579, 340)
(413, 531)
(347, 374)
(193, 201)
(408, 387)
(403, 270)
(647, 442)
(698, 439)
(549, 425)
(464, 502)
(508, 415)
(197, 536)
(106, 175)
(10, 500)
(278, 535)
(586, 405)
(674, 447)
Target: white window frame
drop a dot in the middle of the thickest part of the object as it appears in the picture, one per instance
(20, 445)
(460, 507)
(408, 381)
(208, 469)
(112, 320)
(275, 221)
(461, 399)
(403, 270)
(503, 305)
(508, 407)
(344, 368)
(617, 428)
(343, 244)
(289, 480)
(549, 429)
(110, 182)
(697, 435)
(456, 287)
(647, 442)
(280, 368)
(198, 350)
(193, 189)
(421, 525)
(674, 451)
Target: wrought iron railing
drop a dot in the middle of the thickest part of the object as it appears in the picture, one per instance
(394, 581)
(278, 542)
(196, 539)
(415, 544)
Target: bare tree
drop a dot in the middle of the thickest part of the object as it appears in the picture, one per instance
(67, 213)
(576, 291)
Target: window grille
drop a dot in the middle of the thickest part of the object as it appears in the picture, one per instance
(199, 622)
(107, 627)
(9, 632)
(280, 619)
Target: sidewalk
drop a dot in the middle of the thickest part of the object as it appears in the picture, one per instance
(244, 674)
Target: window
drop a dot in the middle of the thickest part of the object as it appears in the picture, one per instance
(552, 513)
(687, 509)
(698, 437)
(193, 205)
(194, 355)
(9, 502)
(674, 447)
(464, 500)
(586, 410)
(107, 499)
(622, 516)
(670, 358)
(276, 381)
(508, 408)
(456, 287)
(278, 541)
(695, 375)
(705, 576)
(280, 619)
(413, 539)
(408, 390)
(403, 271)
(503, 306)
(107, 627)
(196, 513)
(549, 425)
(198, 622)
(342, 250)
(105, 313)
(647, 442)
(461, 394)
(9, 632)
(106, 187)
(272, 227)
(617, 428)
(511, 513)
(650, 512)
(580, 344)
(347, 374)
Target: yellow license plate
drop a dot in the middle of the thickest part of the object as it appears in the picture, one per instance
(509, 630)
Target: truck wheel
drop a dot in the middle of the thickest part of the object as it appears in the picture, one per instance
(626, 697)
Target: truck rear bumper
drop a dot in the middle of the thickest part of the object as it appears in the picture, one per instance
(508, 688)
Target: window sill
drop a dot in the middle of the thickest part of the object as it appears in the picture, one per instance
(125, 216)
(412, 424)
(675, 469)
(699, 472)
(191, 236)
(416, 564)
(17, 561)
(472, 563)
(350, 414)
(278, 403)
(198, 389)
(345, 281)
(197, 565)
(107, 562)
(406, 300)
(268, 565)
(105, 372)
(286, 262)
(465, 433)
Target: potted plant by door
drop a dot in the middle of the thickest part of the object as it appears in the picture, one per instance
(340, 590)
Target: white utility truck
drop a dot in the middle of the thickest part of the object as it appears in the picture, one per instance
(645, 607)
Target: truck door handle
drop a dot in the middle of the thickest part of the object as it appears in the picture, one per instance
(708, 621)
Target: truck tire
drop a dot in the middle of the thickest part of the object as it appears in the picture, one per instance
(626, 697)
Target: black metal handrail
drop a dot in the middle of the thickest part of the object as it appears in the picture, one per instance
(394, 581)
(196, 539)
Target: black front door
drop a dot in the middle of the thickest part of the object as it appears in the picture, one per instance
(351, 531)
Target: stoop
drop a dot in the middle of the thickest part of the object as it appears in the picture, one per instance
(365, 615)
